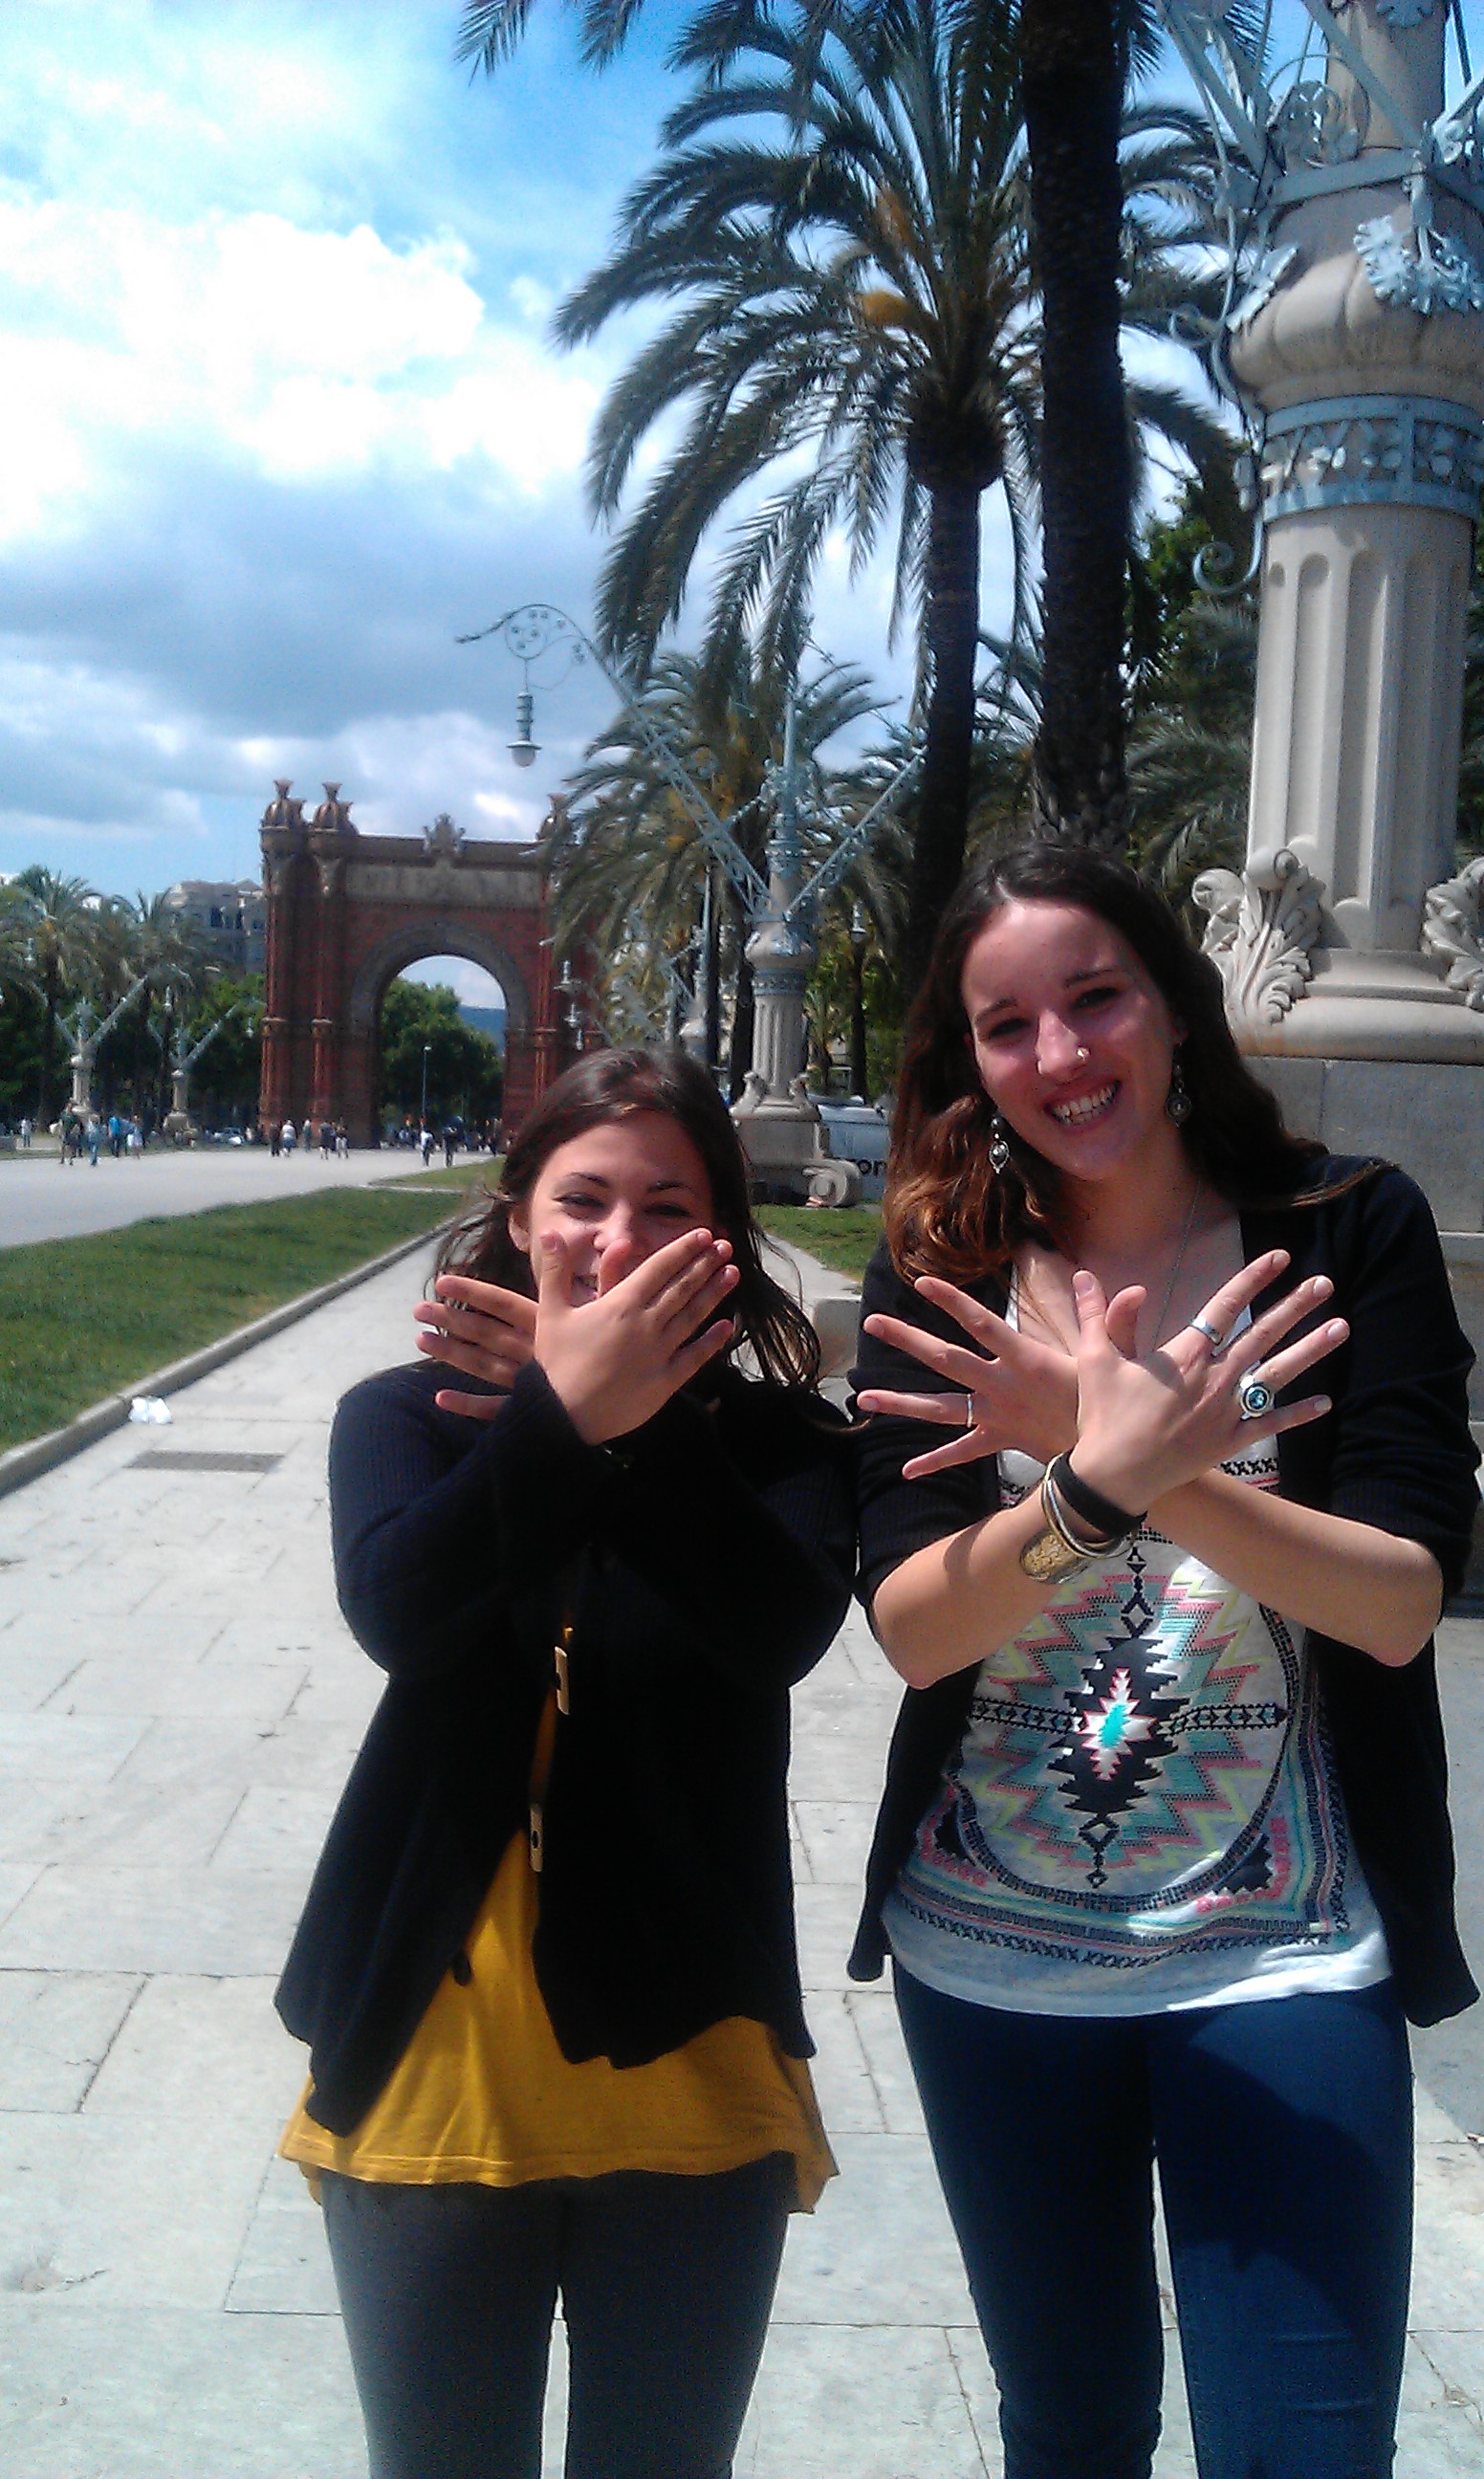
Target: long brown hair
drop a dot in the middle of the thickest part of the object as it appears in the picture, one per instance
(609, 1084)
(947, 1210)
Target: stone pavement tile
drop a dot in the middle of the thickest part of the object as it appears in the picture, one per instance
(304, 1755)
(848, 2098)
(284, 2268)
(1444, 2373)
(135, 2211)
(835, 2402)
(102, 1918)
(29, 1673)
(41, 1630)
(842, 1763)
(836, 1834)
(826, 1916)
(166, 1683)
(142, 1825)
(277, 1829)
(340, 1695)
(55, 2028)
(1448, 2276)
(277, 1627)
(29, 1811)
(873, 2011)
(96, 2393)
(879, 2249)
(195, 2044)
(1174, 2456)
(73, 1748)
(17, 1879)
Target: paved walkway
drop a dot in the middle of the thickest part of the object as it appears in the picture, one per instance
(179, 1703)
(40, 1200)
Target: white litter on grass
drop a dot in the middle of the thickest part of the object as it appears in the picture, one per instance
(151, 1411)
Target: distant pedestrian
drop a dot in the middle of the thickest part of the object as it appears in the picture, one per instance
(327, 1139)
(94, 1134)
(449, 1141)
(116, 1135)
(134, 1140)
(274, 1138)
(427, 1146)
(291, 1136)
(343, 1140)
(25, 1136)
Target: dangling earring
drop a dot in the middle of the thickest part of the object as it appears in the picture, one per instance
(1177, 1101)
(999, 1145)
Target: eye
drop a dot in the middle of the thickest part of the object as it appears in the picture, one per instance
(1003, 1029)
(578, 1201)
(1098, 996)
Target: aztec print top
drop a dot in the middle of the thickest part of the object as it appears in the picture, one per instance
(1142, 1813)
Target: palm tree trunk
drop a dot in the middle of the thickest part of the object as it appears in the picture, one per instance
(1073, 89)
(48, 1046)
(951, 627)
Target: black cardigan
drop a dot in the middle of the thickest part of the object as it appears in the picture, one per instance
(1396, 1453)
(706, 1565)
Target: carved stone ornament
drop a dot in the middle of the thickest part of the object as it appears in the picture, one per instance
(443, 840)
(1420, 270)
(1260, 930)
(1451, 932)
(1408, 450)
(1404, 12)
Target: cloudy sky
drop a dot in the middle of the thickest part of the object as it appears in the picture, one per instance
(280, 417)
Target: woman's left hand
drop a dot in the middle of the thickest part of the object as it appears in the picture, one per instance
(1015, 1392)
(1145, 1426)
(481, 1330)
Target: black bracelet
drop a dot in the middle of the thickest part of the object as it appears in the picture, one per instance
(1113, 1522)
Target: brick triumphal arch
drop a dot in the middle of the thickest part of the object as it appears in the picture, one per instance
(348, 911)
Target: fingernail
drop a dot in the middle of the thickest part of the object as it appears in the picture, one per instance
(1082, 1284)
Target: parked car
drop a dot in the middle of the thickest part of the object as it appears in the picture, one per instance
(855, 1132)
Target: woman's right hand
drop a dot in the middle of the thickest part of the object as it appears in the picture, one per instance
(616, 1358)
(1013, 1390)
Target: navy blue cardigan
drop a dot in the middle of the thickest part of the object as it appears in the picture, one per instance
(1396, 1451)
(706, 1565)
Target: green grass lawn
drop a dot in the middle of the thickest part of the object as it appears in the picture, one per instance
(842, 1236)
(82, 1319)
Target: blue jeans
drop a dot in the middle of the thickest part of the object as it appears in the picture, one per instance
(448, 2294)
(1282, 2133)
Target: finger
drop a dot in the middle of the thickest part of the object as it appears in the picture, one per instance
(652, 1276)
(1275, 1323)
(950, 1360)
(1225, 1306)
(1092, 1305)
(972, 1315)
(703, 1348)
(498, 1368)
(1298, 1416)
(1123, 1319)
(492, 1299)
(700, 1286)
(971, 1449)
(554, 1273)
(943, 1410)
(1282, 1367)
(472, 1325)
(472, 1407)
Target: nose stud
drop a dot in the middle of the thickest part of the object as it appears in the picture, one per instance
(1083, 1054)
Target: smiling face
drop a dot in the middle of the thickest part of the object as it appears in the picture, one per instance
(628, 1185)
(1073, 1041)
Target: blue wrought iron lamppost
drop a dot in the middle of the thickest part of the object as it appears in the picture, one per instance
(779, 1127)
(86, 1035)
(1353, 341)
(178, 1122)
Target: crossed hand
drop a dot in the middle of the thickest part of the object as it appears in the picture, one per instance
(614, 1357)
(1141, 1425)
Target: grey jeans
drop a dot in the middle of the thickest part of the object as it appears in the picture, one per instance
(448, 2295)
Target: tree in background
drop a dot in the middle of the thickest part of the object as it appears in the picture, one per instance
(465, 1070)
(59, 924)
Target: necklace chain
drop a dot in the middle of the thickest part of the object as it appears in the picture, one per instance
(1174, 1271)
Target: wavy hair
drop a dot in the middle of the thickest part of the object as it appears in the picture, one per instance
(608, 1085)
(947, 1210)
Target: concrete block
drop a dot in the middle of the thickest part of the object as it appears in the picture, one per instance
(189, 2037)
(55, 2028)
(879, 2249)
(835, 2403)
(1428, 1118)
(109, 1918)
(1298, 1085)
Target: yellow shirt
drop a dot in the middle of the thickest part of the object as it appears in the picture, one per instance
(482, 2093)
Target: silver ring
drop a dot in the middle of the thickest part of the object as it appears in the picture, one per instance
(968, 1412)
(1255, 1396)
(1203, 1325)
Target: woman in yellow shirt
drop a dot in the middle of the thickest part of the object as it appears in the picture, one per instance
(546, 1968)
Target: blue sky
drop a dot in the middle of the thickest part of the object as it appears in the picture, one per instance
(280, 417)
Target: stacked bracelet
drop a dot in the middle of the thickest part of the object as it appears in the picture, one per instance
(1064, 1490)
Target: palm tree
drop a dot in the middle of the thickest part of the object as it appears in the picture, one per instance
(164, 945)
(59, 924)
(850, 259)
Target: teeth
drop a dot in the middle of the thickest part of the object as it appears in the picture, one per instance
(1088, 1105)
